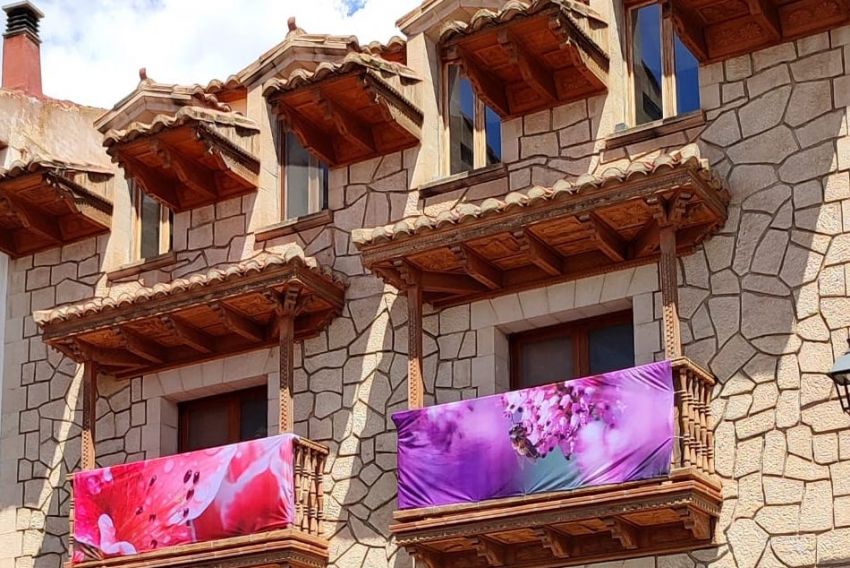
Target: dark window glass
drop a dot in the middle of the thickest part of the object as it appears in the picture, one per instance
(297, 168)
(610, 348)
(149, 217)
(648, 68)
(687, 78)
(306, 179)
(461, 122)
(577, 349)
(493, 130)
(547, 360)
(223, 419)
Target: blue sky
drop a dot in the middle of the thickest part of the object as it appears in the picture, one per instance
(92, 49)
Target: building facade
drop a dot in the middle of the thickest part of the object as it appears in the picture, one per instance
(515, 194)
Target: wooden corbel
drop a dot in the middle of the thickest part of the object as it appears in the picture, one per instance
(345, 123)
(477, 267)
(556, 543)
(606, 239)
(622, 531)
(193, 177)
(189, 335)
(138, 345)
(492, 552)
(696, 521)
(540, 79)
(539, 254)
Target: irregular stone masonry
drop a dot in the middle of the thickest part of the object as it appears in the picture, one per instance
(763, 304)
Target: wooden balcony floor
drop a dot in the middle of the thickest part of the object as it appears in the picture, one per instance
(560, 529)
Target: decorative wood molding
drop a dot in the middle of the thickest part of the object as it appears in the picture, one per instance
(714, 33)
(197, 321)
(523, 60)
(88, 434)
(45, 204)
(623, 532)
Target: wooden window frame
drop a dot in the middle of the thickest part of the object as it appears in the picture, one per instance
(315, 190)
(479, 132)
(668, 63)
(233, 402)
(165, 225)
(579, 330)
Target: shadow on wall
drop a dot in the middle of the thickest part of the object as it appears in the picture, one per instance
(763, 302)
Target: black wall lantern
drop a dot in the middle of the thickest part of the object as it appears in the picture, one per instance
(840, 375)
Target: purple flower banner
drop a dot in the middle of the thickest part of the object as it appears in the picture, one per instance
(609, 428)
(199, 496)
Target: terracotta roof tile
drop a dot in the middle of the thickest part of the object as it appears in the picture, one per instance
(41, 163)
(292, 254)
(183, 116)
(352, 61)
(686, 157)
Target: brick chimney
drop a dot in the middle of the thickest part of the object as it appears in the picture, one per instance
(21, 51)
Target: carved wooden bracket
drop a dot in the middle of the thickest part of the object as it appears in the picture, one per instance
(557, 543)
(622, 531)
(696, 521)
(493, 552)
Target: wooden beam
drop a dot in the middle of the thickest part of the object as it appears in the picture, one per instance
(557, 543)
(88, 435)
(189, 335)
(696, 521)
(140, 346)
(237, 323)
(622, 531)
(311, 138)
(153, 183)
(194, 176)
(487, 87)
(451, 283)
(690, 29)
(491, 551)
(532, 70)
(286, 343)
(766, 14)
(346, 123)
(477, 267)
(413, 288)
(31, 219)
(539, 254)
(107, 357)
(645, 242)
(607, 240)
(667, 265)
(427, 558)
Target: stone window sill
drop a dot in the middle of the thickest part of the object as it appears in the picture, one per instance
(140, 266)
(295, 225)
(655, 129)
(463, 179)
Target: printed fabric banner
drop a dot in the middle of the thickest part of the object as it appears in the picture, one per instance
(197, 496)
(609, 428)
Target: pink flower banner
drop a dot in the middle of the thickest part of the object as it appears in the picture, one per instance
(609, 428)
(192, 497)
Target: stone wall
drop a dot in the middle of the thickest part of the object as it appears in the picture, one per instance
(763, 305)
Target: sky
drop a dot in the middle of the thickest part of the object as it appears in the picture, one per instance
(92, 50)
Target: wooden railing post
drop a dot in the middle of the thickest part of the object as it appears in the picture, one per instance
(89, 392)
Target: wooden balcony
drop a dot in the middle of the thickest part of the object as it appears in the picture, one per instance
(673, 513)
(301, 544)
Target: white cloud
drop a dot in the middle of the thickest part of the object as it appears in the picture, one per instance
(92, 50)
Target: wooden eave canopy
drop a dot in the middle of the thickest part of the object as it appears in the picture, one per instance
(47, 203)
(719, 29)
(193, 158)
(348, 112)
(526, 58)
(223, 312)
(545, 235)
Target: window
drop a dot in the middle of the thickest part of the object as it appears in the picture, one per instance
(576, 349)
(474, 129)
(665, 74)
(153, 226)
(223, 419)
(305, 180)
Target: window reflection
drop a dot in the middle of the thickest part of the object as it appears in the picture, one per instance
(687, 78)
(305, 179)
(648, 66)
(475, 130)
(150, 218)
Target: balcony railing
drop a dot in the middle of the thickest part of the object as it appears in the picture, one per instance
(248, 504)
(613, 466)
